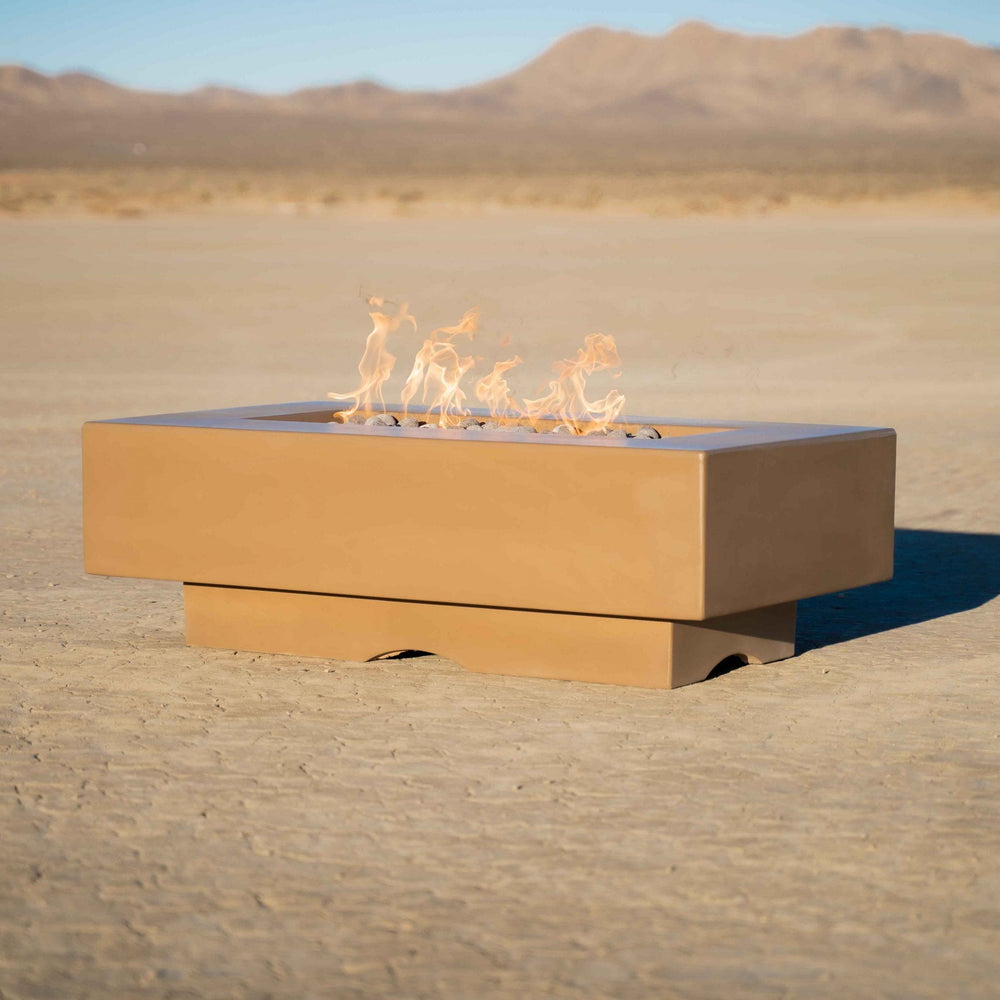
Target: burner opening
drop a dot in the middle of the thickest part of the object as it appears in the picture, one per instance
(392, 420)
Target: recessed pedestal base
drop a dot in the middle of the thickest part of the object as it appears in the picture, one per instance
(610, 650)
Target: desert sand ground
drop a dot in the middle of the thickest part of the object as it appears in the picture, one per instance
(196, 823)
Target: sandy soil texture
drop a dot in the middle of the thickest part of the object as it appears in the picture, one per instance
(196, 823)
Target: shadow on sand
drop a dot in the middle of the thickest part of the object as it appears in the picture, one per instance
(937, 573)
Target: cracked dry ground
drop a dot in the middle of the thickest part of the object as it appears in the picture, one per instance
(183, 822)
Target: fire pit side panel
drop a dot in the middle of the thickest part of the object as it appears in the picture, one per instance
(789, 521)
(611, 531)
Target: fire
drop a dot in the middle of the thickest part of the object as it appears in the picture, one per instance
(376, 363)
(566, 400)
(494, 391)
(439, 369)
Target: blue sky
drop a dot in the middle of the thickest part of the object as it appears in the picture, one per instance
(180, 44)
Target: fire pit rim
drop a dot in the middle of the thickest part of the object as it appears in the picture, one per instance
(709, 436)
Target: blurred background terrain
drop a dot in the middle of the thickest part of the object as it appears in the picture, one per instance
(697, 120)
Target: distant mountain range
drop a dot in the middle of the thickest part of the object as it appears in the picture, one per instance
(693, 74)
(719, 88)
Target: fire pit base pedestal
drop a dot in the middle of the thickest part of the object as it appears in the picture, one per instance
(642, 652)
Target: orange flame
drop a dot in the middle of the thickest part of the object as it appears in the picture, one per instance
(376, 363)
(566, 400)
(494, 391)
(438, 372)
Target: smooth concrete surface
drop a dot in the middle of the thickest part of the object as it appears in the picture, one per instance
(558, 646)
(693, 527)
(182, 822)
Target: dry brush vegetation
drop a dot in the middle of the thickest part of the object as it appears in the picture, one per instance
(131, 164)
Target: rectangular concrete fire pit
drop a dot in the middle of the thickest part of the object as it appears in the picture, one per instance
(626, 561)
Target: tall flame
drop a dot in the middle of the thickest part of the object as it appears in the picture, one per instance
(438, 371)
(494, 391)
(376, 363)
(566, 400)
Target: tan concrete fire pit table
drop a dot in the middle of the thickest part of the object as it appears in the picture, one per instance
(624, 561)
